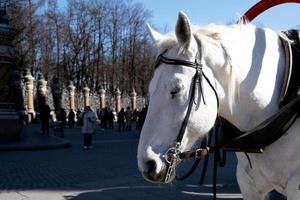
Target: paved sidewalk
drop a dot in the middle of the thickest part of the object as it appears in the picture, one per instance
(32, 139)
(106, 172)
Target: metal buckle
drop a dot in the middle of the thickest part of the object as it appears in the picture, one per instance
(201, 152)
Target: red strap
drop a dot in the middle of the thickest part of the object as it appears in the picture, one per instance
(262, 6)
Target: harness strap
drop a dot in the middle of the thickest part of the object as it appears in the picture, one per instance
(204, 152)
(291, 43)
(277, 125)
(197, 153)
(288, 64)
(206, 158)
(195, 165)
(187, 116)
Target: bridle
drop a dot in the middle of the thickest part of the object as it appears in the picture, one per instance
(173, 154)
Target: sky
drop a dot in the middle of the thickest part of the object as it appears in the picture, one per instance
(202, 12)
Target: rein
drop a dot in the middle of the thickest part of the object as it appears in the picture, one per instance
(173, 154)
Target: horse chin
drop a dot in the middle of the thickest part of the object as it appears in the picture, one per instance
(155, 178)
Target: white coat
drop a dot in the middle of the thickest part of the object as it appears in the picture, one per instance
(89, 122)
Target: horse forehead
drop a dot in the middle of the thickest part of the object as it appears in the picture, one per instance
(167, 74)
(181, 53)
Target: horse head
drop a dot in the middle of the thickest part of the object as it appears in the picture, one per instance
(173, 89)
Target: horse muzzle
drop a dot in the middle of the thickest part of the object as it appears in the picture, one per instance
(154, 171)
(160, 169)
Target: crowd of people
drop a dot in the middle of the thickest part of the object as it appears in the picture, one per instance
(126, 119)
(88, 120)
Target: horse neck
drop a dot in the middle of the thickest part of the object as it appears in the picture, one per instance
(257, 63)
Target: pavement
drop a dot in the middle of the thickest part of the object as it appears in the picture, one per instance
(32, 139)
(106, 172)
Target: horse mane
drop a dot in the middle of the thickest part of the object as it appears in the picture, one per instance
(213, 33)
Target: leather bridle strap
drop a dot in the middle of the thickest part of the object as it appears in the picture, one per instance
(197, 79)
(161, 59)
(198, 155)
(173, 154)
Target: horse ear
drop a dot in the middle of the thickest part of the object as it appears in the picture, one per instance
(183, 29)
(154, 34)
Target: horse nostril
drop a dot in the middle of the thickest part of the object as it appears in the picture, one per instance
(151, 167)
(153, 170)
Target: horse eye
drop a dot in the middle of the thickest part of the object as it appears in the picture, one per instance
(175, 91)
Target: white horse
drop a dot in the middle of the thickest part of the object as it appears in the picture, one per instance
(245, 64)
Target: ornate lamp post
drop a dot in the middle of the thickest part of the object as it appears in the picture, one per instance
(118, 100)
(133, 99)
(71, 89)
(42, 89)
(102, 98)
(56, 92)
(86, 95)
(29, 84)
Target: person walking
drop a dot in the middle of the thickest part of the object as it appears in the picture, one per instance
(141, 118)
(128, 116)
(45, 116)
(111, 117)
(71, 118)
(121, 119)
(79, 120)
(89, 119)
(62, 118)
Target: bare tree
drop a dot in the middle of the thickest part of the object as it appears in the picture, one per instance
(101, 42)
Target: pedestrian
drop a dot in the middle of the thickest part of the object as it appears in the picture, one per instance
(45, 117)
(111, 117)
(141, 118)
(121, 119)
(102, 118)
(135, 115)
(71, 118)
(89, 119)
(62, 118)
(105, 118)
(79, 120)
(128, 116)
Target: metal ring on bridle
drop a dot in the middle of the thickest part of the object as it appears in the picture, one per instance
(171, 154)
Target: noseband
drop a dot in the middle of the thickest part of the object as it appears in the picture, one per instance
(173, 155)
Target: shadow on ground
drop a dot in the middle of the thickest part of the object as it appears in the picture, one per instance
(150, 193)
